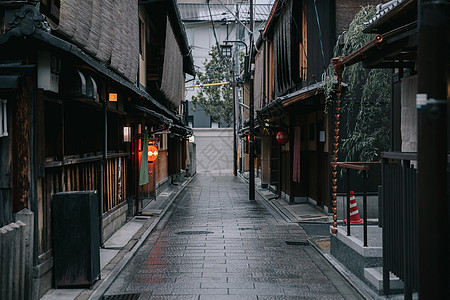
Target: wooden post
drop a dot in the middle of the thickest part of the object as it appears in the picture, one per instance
(26, 217)
(432, 178)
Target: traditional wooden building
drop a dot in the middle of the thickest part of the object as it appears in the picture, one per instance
(296, 48)
(83, 85)
(411, 41)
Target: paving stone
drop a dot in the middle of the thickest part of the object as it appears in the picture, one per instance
(244, 257)
(229, 297)
(171, 297)
(201, 291)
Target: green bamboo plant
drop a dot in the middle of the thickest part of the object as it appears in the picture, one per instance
(366, 98)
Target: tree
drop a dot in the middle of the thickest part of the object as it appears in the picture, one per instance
(366, 99)
(217, 101)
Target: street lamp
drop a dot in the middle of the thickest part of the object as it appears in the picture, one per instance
(226, 45)
(226, 50)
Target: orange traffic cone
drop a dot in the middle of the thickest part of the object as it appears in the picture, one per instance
(354, 213)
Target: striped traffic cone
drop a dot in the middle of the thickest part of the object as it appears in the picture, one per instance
(354, 213)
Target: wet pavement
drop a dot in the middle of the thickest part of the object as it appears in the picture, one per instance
(213, 243)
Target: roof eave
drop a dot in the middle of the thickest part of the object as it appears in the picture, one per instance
(180, 32)
(271, 20)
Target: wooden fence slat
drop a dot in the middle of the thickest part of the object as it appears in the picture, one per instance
(67, 178)
(116, 174)
(123, 180)
(92, 178)
(109, 185)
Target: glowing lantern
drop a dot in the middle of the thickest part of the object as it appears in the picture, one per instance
(152, 153)
(282, 137)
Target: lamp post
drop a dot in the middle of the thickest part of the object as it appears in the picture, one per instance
(226, 51)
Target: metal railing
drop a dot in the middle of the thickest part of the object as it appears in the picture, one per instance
(364, 168)
(399, 223)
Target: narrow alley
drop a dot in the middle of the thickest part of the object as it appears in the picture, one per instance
(213, 243)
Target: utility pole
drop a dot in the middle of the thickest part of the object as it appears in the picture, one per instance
(433, 177)
(235, 106)
(251, 193)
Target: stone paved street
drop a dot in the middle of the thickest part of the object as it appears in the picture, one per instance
(213, 243)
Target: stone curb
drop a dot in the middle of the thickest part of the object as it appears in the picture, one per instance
(356, 283)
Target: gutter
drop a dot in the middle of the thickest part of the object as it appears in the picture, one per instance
(284, 101)
(378, 41)
(358, 55)
(153, 114)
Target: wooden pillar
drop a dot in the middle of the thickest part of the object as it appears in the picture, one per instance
(20, 140)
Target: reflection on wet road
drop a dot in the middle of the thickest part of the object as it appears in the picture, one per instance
(213, 243)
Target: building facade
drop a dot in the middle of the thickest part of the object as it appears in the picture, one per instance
(87, 88)
(290, 65)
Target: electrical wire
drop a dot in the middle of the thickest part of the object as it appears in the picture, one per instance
(320, 37)
(236, 18)
(212, 23)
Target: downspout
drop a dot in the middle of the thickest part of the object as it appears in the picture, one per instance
(338, 69)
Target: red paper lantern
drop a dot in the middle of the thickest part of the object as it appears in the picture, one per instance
(282, 137)
(152, 153)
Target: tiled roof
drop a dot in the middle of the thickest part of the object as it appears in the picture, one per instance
(219, 12)
(383, 9)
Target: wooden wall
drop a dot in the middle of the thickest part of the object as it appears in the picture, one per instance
(162, 170)
(73, 150)
(326, 13)
(78, 175)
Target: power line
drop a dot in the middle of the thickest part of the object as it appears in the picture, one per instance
(300, 35)
(320, 35)
(212, 23)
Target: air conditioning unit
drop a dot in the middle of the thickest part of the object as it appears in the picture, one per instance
(49, 67)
